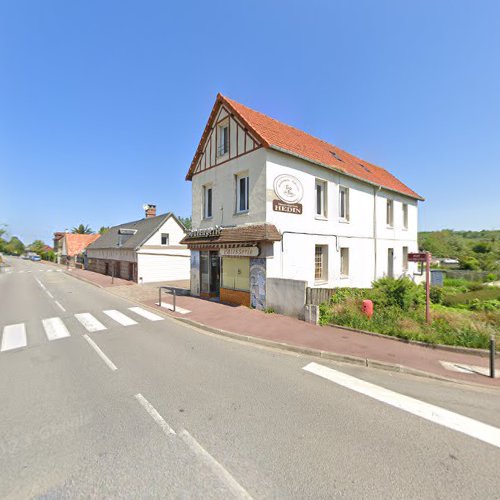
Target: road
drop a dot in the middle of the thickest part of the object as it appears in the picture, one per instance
(144, 406)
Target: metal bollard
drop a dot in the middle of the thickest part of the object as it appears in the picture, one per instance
(159, 296)
(173, 291)
(492, 356)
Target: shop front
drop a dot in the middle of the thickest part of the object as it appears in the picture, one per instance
(229, 264)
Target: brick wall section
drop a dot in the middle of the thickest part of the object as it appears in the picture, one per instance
(99, 266)
(236, 297)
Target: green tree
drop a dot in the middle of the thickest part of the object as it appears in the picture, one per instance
(15, 246)
(186, 221)
(103, 229)
(37, 246)
(469, 263)
(81, 229)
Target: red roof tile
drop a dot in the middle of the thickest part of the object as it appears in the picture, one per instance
(77, 243)
(276, 135)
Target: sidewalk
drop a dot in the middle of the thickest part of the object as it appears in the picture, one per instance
(246, 322)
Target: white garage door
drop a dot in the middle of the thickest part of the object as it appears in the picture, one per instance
(153, 268)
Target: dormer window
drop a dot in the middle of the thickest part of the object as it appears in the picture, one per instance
(223, 137)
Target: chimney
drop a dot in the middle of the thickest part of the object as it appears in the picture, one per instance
(150, 210)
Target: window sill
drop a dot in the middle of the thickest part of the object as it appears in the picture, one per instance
(320, 217)
(344, 277)
(244, 212)
(321, 282)
(389, 226)
(208, 218)
(344, 221)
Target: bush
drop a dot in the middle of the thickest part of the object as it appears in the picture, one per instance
(436, 294)
(470, 263)
(402, 293)
(491, 277)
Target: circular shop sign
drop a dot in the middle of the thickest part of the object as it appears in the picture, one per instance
(288, 188)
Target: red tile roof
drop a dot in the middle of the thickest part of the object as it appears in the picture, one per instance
(77, 243)
(276, 135)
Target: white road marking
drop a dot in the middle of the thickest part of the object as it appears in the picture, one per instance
(178, 309)
(470, 369)
(223, 475)
(146, 314)
(14, 336)
(103, 356)
(156, 416)
(40, 283)
(120, 317)
(21, 271)
(49, 270)
(49, 294)
(60, 306)
(55, 328)
(89, 322)
(436, 414)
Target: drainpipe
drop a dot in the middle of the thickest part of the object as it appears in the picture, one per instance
(375, 191)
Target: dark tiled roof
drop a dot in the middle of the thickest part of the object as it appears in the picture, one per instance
(144, 228)
(281, 137)
(251, 233)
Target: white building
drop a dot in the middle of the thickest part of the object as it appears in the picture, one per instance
(146, 250)
(271, 202)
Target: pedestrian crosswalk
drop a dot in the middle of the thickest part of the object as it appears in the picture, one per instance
(15, 336)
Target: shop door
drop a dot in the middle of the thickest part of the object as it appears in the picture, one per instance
(204, 273)
(214, 273)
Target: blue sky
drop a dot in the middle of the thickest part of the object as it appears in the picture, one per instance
(102, 102)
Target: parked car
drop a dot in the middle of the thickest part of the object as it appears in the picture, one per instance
(36, 258)
(25, 256)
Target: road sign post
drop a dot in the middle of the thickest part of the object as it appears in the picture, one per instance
(425, 258)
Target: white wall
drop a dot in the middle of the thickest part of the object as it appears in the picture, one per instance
(222, 179)
(294, 257)
(170, 226)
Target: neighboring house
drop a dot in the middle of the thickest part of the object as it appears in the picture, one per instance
(146, 250)
(72, 247)
(272, 202)
(58, 236)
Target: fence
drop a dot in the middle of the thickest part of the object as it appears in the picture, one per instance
(467, 275)
(316, 296)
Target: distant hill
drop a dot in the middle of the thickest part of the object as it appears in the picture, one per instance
(478, 250)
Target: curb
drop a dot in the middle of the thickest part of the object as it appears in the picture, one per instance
(332, 356)
(483, 353)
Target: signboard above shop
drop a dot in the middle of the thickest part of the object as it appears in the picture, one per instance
(288, 188)
(288, 208)
(209, 232)
(239, 252)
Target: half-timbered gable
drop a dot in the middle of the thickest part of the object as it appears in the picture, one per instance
(225, 138)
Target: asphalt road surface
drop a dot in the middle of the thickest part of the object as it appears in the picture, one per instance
(100, 398)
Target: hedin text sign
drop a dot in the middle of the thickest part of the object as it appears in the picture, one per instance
(289, 208)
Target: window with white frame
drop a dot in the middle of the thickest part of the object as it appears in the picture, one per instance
(405, 259)
(164, 238)
(223, 139)
(242, 192)
(405, 216)
(390, 213)
(344, 262)
(344, 203)
(321, 198)
(207, 202)
(321, 263)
